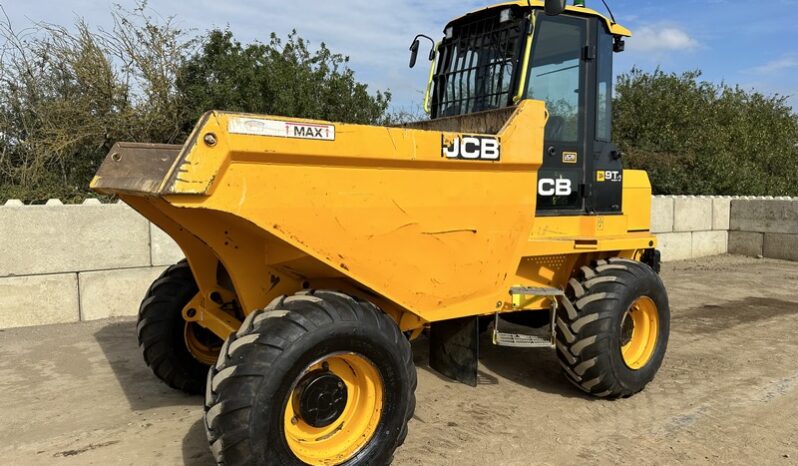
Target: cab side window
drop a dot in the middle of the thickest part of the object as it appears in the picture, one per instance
(604, 88)
(555, 75)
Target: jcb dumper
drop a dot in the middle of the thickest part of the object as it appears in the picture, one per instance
(316, 251)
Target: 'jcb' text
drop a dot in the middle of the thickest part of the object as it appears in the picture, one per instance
(473, 148)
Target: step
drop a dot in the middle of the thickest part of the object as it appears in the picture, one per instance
(517, 340)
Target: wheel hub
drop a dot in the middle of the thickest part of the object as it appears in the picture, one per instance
(321, 399)
(639, 333)
(627, 329)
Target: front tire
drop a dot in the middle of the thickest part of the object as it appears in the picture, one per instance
(613, 327)
(316, 378)
(177, 352)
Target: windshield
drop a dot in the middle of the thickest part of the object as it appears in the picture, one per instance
(478, 59)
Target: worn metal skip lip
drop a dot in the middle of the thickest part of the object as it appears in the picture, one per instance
(135, 168)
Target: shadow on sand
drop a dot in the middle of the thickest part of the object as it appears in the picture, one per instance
(536, 369)
(142, 389)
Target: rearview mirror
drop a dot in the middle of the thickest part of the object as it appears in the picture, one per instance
(414, 53)
(554, 7)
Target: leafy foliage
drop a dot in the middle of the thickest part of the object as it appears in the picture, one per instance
(696, 137)
(283, 78)
(68, 94)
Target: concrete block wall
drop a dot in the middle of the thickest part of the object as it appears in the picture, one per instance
(66, 263)
(764, 228)
(690, 227)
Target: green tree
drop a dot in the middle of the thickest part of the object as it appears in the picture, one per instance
(279, 78)
(68, 94)
(696, 137)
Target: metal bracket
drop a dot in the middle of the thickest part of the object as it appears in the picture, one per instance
(209, 315)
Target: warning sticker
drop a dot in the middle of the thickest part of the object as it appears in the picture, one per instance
(570, 157)
(281, 129)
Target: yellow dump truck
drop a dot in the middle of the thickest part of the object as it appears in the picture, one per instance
(317, 251)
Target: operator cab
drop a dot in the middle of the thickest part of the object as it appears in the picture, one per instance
(494, 58)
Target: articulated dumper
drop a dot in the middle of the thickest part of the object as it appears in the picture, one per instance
(317, 251)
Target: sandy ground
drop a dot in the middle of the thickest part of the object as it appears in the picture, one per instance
(727, 393)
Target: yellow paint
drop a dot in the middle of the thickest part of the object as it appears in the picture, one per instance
(428, 90)
(527, 55)
(207, 314)
(378, 213)
(202, 351)
(353, 429)
(645, 333)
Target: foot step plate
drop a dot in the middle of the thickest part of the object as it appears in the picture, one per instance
(516, 340)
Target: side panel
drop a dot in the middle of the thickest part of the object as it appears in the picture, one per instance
(382, 206)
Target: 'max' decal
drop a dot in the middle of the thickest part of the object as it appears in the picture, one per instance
(281, 129)
(472, 148)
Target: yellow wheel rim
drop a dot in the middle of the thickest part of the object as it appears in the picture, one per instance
(640, 330)
(204, 348)
(355, 426)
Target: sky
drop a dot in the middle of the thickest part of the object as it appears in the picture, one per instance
(750, 43)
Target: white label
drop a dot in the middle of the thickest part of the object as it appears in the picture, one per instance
(473, 148)
(281, 129)
(560, 187)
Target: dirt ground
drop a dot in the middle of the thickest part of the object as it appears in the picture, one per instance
(727, 393)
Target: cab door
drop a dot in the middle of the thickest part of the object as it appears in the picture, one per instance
(605, 179)
(558, 75)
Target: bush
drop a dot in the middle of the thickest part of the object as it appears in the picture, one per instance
(278, 78)
(696, 137)
(67, 95)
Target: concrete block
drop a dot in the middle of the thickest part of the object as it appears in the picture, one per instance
(721, 213)
(164, 250)
(746, 243)
(675, 246)
(692, 214)
(765, 216)
(114, 293)
(662, 214)
(710, 243)
(781, 246)
(38, 300)
(71, 238)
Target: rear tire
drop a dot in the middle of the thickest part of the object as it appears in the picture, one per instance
(254, 400)
(161, 331)
(613, 327)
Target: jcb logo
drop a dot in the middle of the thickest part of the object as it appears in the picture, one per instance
(550, 187)
(473, 148)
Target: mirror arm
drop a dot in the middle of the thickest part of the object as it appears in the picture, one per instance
(414, 48)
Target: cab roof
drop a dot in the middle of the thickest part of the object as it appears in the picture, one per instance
(614, 28)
